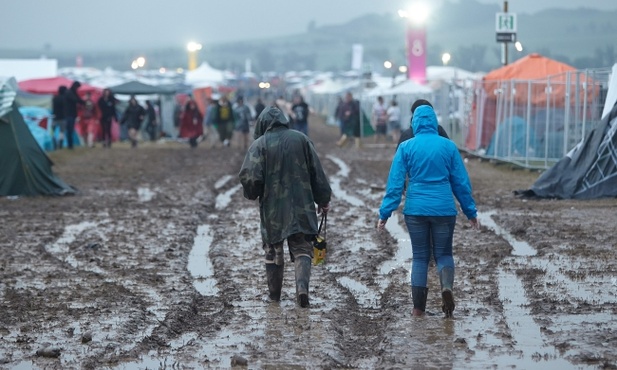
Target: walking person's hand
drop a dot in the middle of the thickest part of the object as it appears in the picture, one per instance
(381, 224)
(323, 209)
(475, 223)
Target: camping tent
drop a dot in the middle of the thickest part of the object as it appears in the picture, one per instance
(25, 169)
(588, 171)
(38, 121)
(511, 139)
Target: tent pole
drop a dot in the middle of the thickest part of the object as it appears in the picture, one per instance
(528, 125)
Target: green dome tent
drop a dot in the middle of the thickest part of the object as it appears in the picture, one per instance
(25, 169)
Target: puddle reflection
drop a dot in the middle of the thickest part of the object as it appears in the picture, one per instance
(199, 264)
(223, 199)
(520, 248)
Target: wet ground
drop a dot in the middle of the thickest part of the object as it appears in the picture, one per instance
(156, 264)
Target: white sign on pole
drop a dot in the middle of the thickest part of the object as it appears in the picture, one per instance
(505, 22)
(356, 56)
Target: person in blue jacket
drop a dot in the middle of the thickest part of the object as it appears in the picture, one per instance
(435, 170)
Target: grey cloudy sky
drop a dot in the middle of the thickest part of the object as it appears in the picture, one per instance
(141, 24)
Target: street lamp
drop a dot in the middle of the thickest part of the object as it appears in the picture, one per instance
(391, 66)
(445, 58)
(140, 62)
(193, 47)
(416, 16)
(518, 46)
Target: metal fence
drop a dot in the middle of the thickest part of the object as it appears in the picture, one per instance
(532, 123)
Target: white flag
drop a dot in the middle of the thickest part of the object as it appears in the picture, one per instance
(356, 56)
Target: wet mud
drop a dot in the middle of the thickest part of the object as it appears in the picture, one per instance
(157, 264)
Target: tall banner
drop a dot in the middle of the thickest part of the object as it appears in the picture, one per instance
(416, 53)
(356, 56)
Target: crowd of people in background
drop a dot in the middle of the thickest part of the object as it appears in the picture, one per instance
(430, 156)
(222, 121)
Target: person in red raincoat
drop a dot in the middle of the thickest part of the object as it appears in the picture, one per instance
(191, 124)
(89, 120)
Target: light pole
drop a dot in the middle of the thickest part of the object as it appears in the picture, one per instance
(193, 48)
(416, 16)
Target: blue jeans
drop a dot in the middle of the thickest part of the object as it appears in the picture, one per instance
(430, 234)
(70, 131)
(302, 127)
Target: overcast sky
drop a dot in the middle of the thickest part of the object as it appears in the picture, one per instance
(143, 24)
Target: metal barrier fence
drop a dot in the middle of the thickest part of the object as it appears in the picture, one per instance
(532, 123)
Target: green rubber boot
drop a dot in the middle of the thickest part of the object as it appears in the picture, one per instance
(303, 275)
(446, 278)
(274, 274)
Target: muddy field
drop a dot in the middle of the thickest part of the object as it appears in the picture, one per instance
(156, 264)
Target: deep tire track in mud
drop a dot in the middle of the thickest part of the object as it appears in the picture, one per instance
(114, 259)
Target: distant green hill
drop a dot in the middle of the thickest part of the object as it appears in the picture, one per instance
(583, 38)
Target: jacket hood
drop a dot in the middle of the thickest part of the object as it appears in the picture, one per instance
(424, 120)
(269, 118)
(75, 85)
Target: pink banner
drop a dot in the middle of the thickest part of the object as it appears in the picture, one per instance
(416, 53)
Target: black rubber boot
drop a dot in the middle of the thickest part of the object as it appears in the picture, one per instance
(274, 274)
(419, 295)
(446, 278)
(303, 275)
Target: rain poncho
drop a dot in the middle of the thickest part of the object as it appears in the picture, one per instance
(282, 169)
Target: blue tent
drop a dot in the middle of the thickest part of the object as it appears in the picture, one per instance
(510, 139)
(32, 117)
(45, 137)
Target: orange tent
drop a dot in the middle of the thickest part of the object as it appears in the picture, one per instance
(532, 67)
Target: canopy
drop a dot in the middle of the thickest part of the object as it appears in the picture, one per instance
(140, 88)
(51, 85)
(204, 75)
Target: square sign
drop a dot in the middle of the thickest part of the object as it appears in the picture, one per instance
(505, 22)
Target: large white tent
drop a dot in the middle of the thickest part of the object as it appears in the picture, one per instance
(204, 76)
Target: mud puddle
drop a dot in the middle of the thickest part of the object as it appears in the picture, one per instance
(200, 265)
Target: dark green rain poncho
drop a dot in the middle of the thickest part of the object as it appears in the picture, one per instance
(282, 169)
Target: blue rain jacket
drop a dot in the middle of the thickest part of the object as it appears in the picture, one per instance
(435, 170)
